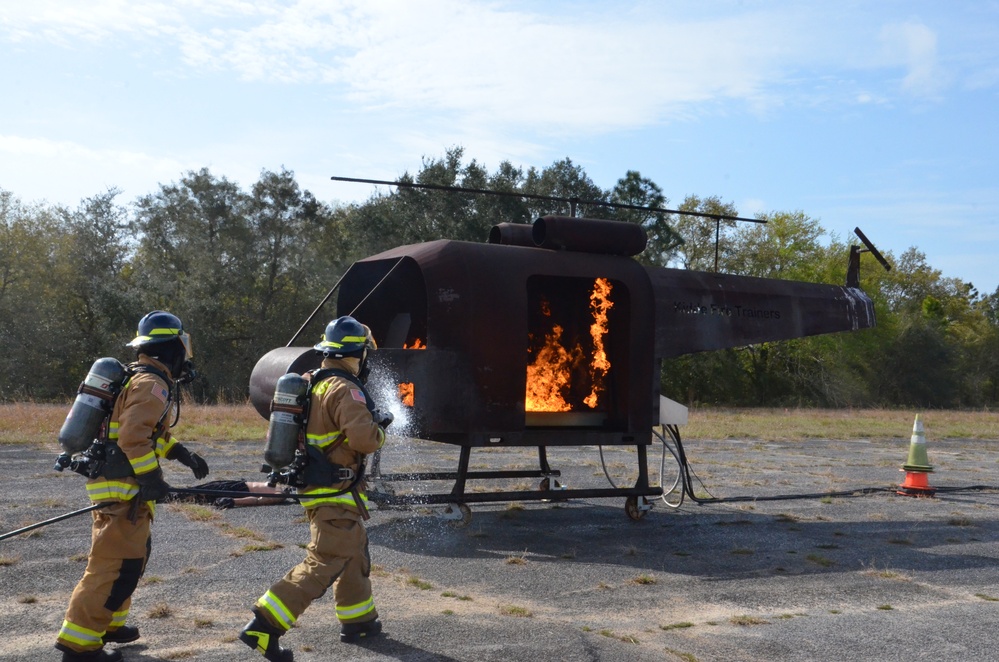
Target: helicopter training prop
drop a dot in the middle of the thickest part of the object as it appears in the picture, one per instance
(551, 334)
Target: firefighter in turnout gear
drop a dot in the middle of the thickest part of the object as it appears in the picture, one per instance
(129, 481)
(343, 426)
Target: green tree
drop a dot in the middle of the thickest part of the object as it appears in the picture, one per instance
(506, 208)
(563, 179)
(699, 234)
(412, 215)
(663, 241)
(299, 250)
(197, 258)
(31, 324)
(986, 350)
(935, 350)
(94, 274)
(706, 379)
(785, 247)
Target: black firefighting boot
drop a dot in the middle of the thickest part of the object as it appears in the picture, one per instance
(353, 632)
(99, 655)
(263, 637)
(122, 635)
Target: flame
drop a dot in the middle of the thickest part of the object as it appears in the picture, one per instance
(407, 392)
(548, 376)
(600, 305)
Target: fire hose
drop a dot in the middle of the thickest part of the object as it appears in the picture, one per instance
(179, 490)
(676, 481)
(37, 525)
(685, 475)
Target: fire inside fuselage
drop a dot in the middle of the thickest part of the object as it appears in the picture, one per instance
(407, 390)
(567, 360)
(484, 315)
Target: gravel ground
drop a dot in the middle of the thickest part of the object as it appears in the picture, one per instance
(872, 576)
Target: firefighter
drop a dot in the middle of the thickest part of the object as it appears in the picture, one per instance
(343, 426)
(130, 483)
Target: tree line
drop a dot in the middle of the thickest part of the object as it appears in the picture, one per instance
(244, 268)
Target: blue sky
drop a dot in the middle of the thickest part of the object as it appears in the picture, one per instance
(873, 114)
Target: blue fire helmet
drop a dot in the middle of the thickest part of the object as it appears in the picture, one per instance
(344, 336)
(159, 327)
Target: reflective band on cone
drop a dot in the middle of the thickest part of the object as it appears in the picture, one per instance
(917, 449)
(917, 466)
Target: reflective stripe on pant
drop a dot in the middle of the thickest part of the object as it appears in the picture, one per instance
(118, 553)
(337, 554)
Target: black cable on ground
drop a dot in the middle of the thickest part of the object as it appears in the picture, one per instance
(686, 474)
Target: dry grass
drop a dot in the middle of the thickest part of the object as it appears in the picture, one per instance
(843, 424)
(221, 423)
(419, 583)
(514, 610)
(34, 423)
(160, 610)
(746, 619)
(26, 423)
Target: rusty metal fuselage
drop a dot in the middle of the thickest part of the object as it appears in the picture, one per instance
(480, 311)
(475, 307)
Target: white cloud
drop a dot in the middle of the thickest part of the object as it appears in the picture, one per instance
(65, 22)
(508, 64)
(752, 206)
(488, 63)
(914, 45)
(33, 168)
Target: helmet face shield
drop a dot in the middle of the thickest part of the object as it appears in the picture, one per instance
(185, 339)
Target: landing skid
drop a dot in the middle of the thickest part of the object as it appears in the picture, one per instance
(549, 488)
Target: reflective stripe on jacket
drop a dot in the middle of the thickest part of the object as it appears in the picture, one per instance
(346, 499)
(140, 406)
(341, 427)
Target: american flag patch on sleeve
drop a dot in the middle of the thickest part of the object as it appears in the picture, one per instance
(160, 393)
(357, 395)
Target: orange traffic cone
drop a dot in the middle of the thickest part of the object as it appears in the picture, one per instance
(917, 467)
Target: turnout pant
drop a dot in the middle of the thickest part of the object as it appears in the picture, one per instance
(119, 551)
(337, 554)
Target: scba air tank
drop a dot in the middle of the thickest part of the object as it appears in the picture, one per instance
(291, 395)
(93, 403)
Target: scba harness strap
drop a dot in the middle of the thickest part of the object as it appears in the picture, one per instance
(325, 373)
(116, 464)
(319, 470)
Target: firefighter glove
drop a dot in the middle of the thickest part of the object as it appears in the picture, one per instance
(191, 460)
(225, 503)
(152, 487)
(382, 418)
